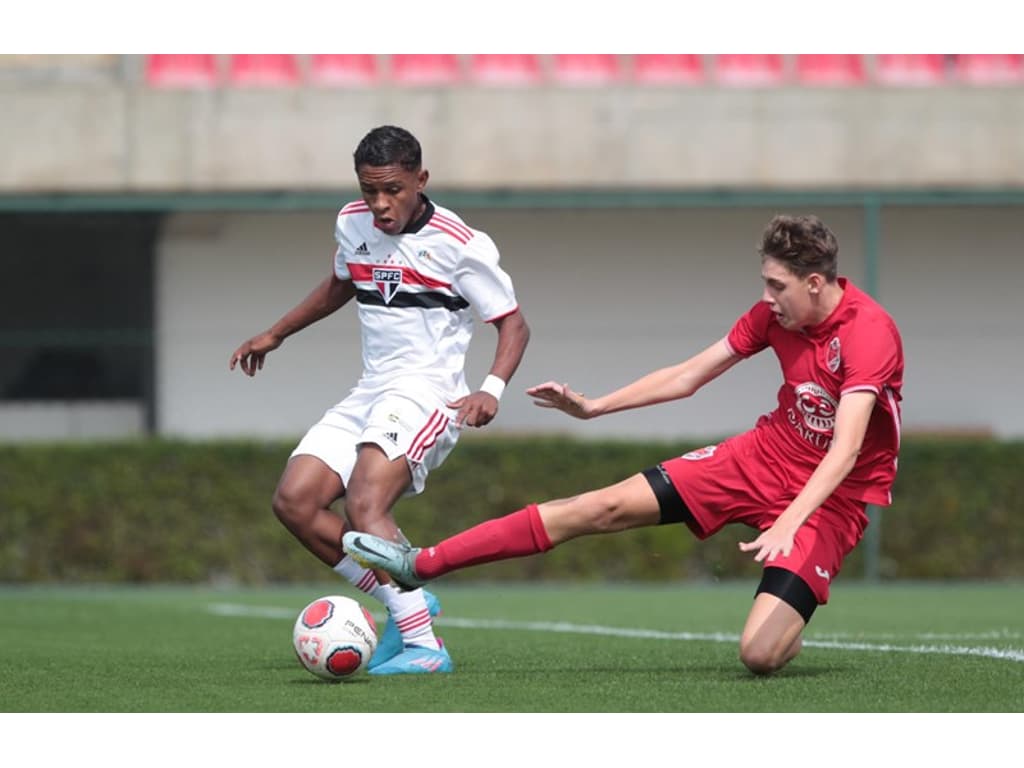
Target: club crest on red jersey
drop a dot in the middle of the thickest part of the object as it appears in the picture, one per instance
(833, 359)
(387, 282)
(701, 453)
(817, 407)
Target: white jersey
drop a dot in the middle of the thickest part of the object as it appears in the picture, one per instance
(415, 293)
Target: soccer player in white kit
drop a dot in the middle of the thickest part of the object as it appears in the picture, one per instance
(418, 274)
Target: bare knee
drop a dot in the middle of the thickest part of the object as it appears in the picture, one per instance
(293, 509)
(764, 658)
(603, 511)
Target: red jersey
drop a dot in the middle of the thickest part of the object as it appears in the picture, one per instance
(857, 347)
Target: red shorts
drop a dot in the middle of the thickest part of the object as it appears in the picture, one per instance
(738, 482)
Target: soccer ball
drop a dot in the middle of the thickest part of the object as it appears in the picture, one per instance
(334, 637)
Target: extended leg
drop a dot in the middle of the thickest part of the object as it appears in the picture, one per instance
(533, 529)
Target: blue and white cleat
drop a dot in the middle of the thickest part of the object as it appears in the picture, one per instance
(399, 560)
(415, 660)
(390, 643)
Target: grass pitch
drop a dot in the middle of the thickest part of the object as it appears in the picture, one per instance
(517, 649)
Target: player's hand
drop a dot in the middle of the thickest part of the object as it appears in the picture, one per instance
(770, 544)
(475, 409)
(551, 394)
(252, 353)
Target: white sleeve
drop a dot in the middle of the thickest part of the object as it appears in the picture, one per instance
(483, 283)
(340, 265)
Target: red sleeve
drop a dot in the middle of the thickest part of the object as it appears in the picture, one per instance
(872, 356)
(750, 333)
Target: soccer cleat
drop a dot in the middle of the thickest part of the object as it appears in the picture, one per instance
(374, 552)
(415, 660)
(390, 643)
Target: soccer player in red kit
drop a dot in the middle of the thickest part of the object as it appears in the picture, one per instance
(802, 477)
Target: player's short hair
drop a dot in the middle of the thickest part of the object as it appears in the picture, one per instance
(389, 145)
(803, 243)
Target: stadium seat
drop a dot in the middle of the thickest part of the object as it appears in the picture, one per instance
(910, 68)
(668, 68)
(343, 69)
(505, 68)
(750, 69)
(989, 68)
(263, 69)
(585, 68)
(830, 69)
(181, 70)
(425, 68)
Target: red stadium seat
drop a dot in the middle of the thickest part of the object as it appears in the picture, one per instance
(425, 68)
(830, 69)
(585, 68)
(505, 68)
(181, 70)
(745, 69)
(989, 68)
(668, 68)
(910, 68)
(263, 69)
(344, 69)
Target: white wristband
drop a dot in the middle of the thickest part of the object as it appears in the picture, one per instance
(493, 386)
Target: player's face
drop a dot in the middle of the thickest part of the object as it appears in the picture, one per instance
(393, 194)
(789, 296)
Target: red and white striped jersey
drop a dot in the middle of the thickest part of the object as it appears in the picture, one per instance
(856, 348)
(415, 292)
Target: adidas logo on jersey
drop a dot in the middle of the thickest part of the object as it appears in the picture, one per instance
(362, 250)
(392, 436)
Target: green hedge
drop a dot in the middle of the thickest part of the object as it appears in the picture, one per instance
(163, 511)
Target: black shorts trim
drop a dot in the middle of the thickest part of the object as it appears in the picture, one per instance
(673, 508)
(791, 589)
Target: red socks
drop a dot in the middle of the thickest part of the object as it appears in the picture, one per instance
(517, 535)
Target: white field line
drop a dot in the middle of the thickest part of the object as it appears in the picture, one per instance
(988, 652)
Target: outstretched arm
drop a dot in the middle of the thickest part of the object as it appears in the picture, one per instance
(852, 418)
(672, 383)
(327, 297)
(479, 408)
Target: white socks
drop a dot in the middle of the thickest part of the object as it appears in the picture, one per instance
(362, 579)
(408, 609)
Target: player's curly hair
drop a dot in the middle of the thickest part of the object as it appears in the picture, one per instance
(389, 145)
(803, 243)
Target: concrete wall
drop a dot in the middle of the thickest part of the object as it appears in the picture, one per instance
(114, 138)
(609, 295)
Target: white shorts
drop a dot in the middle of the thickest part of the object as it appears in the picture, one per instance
(402, 422)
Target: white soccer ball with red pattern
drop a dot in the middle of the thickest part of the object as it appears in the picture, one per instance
(334, 637)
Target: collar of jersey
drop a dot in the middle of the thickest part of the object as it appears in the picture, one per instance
(415, 226)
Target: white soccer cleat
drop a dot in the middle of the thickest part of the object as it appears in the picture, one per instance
(374, 552)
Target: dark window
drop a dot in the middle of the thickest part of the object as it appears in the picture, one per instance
(76, 306)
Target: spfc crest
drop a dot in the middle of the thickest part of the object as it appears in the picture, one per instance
(387, 282)
(833, 360)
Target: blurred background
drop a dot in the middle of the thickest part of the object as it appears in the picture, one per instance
(157, 210)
